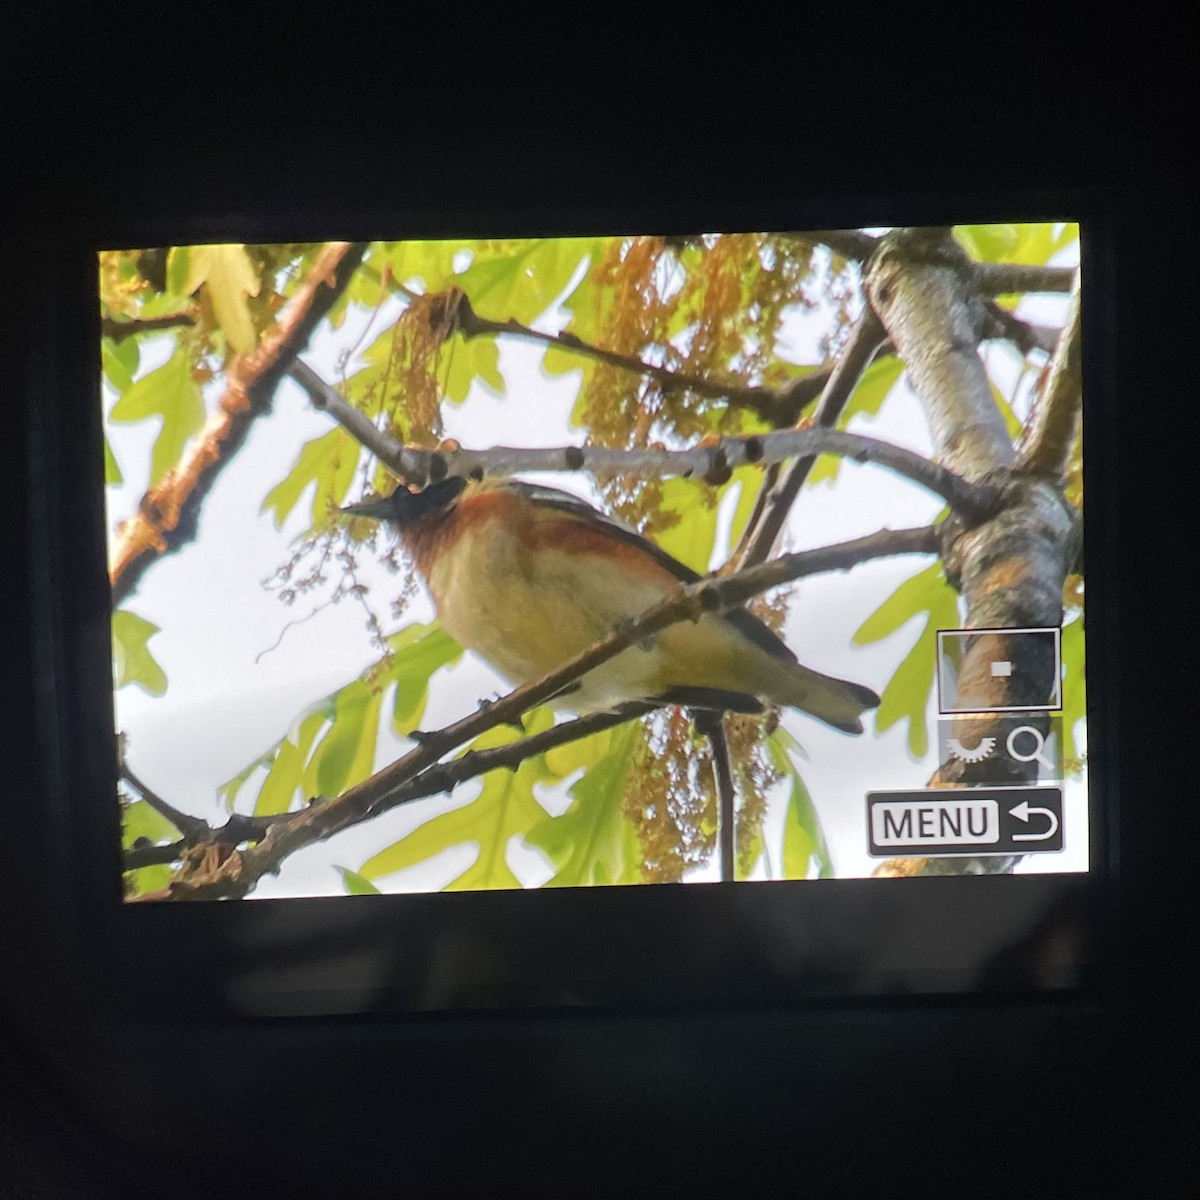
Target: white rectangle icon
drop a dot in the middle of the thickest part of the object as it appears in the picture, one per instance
(998, 668)
(955, 821)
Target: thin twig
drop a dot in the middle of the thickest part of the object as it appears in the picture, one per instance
(188, 825)
(407, 462)
(713, 463)
(777, 408)
(118, 331)
(241, 870)
(764, 401)
(865, 340)
(153, 856)
(239, 828)
(1049, 447)
(850, 244)
(999, 279)
(712, 725)
(439, 778)
(1025, 335)
(445, 777)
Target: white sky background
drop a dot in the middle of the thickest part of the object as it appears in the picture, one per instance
(228, 701)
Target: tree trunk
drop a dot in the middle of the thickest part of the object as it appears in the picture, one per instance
(1010, 569)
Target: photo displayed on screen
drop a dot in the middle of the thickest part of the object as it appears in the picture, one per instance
(599, 560)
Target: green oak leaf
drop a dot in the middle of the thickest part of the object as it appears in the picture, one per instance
(506, 807)
(592, 842)
(119, 361)
(332, 743)
(132, 660)
(141, 821)
(171, 393)
(329, 462)
(229, 278)
(906, 696)
(803, 838)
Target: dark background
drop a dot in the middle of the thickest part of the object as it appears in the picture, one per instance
(200, 116)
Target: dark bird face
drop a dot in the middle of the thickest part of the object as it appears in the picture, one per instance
(404, 508)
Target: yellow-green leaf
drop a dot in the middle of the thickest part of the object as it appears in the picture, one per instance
(583, 752)
(1074, 697)
(119, 361)
(691, 538)
(420, 650)
(803, 838)
(346, 755)
(132, 659)
(467, 361)
(355, 884)
(329, 462)
(592, 842)
(150, 879)
(344, 725)
(278, 791)
(906, 695)
(171, 393)
(142, 821)
(112, 472)
(229, 277)
(505, 807)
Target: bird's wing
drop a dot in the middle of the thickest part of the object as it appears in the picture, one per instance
(748, 625)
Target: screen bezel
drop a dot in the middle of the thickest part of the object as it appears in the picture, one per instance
(244, 957)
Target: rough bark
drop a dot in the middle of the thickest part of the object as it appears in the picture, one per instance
(1009, 568)
(919, 283)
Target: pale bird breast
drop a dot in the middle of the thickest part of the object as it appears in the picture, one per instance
(526, 614)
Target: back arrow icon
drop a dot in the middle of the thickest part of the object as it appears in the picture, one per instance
(1023, 812)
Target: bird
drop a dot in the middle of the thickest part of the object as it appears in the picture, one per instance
(528, 576)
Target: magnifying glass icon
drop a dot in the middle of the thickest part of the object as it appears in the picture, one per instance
(1039, 744)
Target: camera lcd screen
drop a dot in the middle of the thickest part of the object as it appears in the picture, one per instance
(572, 562)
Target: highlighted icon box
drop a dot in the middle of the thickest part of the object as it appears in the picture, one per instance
(1028, 661)
(1003, 749)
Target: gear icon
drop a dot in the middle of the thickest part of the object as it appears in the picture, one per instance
(974, 754)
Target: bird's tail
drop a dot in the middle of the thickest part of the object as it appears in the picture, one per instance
(834, 701)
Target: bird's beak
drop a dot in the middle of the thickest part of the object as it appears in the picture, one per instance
(377, 510)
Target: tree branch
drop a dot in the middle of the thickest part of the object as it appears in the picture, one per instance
(850, 244)
(761, 535)
(1010, 568)
(919, 282)
(189, 826)
(237, 874)
(713, 463)
(1049, 447)
(999, 279)
(407, 462)
(992, 279)
(196, 831)
(444, 777)
(143, 853)
(168, 512)
(118, 331)
(1025, 335)
(767, 403)
(712, 725)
